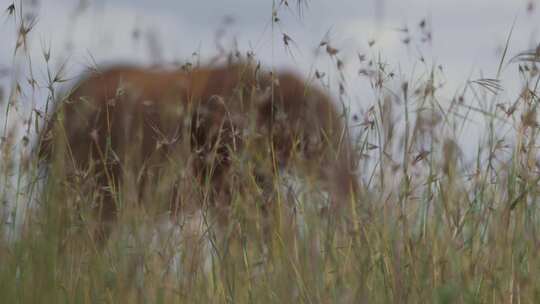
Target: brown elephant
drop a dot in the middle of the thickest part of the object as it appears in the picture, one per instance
(147, 133)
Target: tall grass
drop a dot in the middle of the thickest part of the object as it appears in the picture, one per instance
(434, 224)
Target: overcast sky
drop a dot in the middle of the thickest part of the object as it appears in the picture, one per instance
(467, 35)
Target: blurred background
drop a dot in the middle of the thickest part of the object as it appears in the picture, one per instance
(442, 99)
(466, 37)
(339, 40)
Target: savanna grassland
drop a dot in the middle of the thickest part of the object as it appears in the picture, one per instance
(433, 221)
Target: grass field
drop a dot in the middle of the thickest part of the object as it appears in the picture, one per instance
(433, 224)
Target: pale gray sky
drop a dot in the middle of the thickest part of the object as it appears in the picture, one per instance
(466, 33)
